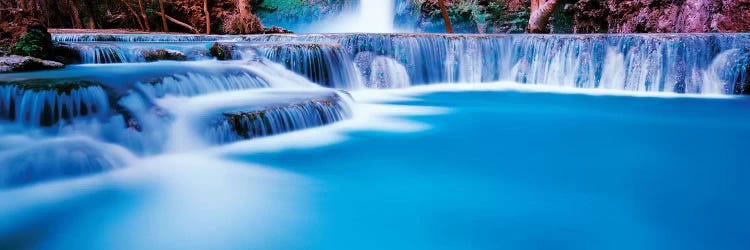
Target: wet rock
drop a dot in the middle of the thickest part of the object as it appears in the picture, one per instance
(363, 60)
(36, 42)
(276, 30)
(66, 54)
(221, 51)
(275, 119)
(16, 63)
(662, 16)
(163, 54)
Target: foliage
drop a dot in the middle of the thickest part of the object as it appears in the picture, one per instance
(504, 19)
(496, 16)
(562, 19)
(237, 24)
(33, 43)
(291, 13)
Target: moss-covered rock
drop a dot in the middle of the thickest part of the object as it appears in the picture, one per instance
(37, 42)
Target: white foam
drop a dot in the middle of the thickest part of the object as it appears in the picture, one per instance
(412, 92)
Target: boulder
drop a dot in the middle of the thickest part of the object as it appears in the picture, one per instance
(66, 53)
(221, 51)
(15, 63)
(276, 30)
(163, 54)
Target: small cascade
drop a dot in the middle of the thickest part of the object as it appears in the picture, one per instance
(93, 118)
(192, 84)
(386, 73)
(730, 66)
(108, 53)
(243, 124)
(39, 104)
(325, 64)
(59, 158)
(140, 38)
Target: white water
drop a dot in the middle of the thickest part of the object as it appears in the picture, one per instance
(373, 16)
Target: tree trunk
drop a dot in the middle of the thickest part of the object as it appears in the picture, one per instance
(163, 16)
(90, 12)
(135, 15)
(446, 18)
(76, 16)
(144, 16)
(22, 5)
(208, 16)
(244, 7)
(541, 11)
(175, 21)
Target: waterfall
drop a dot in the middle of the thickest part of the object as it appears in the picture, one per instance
(325, 64)
(285, 82)
(636, 62)
(192, 84)
(386, 73)
(90, 118)
(377, 15)
(372, 16)
(34, 105)
(246, 124)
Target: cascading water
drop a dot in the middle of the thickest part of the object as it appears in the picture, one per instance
(325, 64)
(377, 15)
(247, 123)
(179, 122)
(138, 110)
(372, 16)
(654, 63)
(137, 105)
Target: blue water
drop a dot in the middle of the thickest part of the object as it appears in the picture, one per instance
(500, 170)
(511, 170)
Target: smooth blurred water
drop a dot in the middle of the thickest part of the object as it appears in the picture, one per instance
(511, 170)
(499, 170)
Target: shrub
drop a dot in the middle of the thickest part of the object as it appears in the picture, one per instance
(33, 43)
(237, 24)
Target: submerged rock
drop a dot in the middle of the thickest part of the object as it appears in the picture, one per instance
(59, 158)
(15, 63)
(163, 54)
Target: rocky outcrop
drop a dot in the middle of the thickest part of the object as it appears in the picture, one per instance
(674, 16)
(276, 30)
(581, 16)
(15, 63)
(221, 51)
(163, 54)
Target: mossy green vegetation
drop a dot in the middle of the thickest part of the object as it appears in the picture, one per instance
(290, 13)
(33, 43)
(472, 16)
